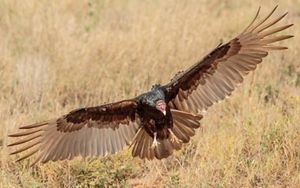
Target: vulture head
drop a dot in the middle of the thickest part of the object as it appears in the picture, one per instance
(155, 99)
(161, 106)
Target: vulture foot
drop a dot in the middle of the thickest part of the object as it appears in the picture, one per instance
(155, 142)
(173, 137)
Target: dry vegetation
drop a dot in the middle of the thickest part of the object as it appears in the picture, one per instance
(59, 55)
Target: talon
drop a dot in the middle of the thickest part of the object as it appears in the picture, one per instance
(155, 142)
(173, 137)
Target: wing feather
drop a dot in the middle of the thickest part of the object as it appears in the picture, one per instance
(89, 131)
(217, 75)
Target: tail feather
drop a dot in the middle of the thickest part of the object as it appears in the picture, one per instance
(184, 124)
(184, 127)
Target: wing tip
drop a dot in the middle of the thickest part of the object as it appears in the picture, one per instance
(12, 135)
(276, 6)
(13, 153)
(286, 13)
(34, 125)
(12, 144)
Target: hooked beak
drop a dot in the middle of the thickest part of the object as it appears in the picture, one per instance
(161, 106)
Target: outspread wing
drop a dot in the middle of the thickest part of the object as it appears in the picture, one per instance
(216, 76)
(89, 131)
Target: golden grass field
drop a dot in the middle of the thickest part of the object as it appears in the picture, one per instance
(59, 55)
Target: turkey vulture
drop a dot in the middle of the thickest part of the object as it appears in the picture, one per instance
(161, 120)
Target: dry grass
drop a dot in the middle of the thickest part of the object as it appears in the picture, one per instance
(59, 55)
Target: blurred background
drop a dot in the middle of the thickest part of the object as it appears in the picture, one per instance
(59, 55)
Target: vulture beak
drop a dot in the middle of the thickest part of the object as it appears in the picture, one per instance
(161, 106)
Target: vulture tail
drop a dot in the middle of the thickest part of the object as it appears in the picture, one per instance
(184, 124)
(183, 128)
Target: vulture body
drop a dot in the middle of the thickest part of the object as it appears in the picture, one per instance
(160, 121)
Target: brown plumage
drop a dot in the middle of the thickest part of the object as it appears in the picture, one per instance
(161, 120)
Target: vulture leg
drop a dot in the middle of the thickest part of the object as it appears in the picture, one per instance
(154, 143)
(173, 137)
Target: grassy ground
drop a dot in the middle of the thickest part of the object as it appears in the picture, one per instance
(59, 55)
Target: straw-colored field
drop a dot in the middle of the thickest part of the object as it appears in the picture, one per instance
(59, 55)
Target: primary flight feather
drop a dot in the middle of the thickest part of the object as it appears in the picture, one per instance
(157, 122)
